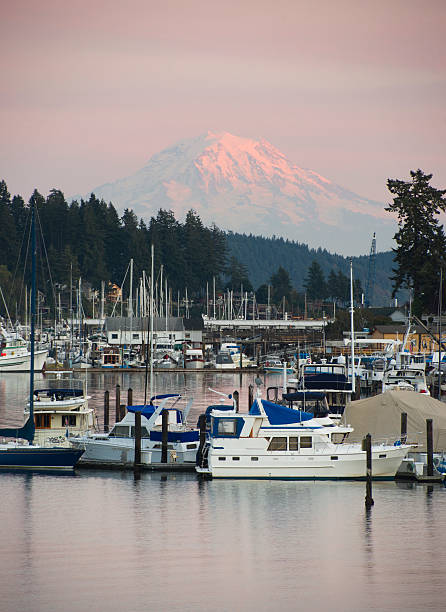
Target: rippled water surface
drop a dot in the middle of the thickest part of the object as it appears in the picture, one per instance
(103, 541)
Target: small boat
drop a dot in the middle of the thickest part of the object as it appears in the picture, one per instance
(273, 365)
(118, 446)
(273, 441)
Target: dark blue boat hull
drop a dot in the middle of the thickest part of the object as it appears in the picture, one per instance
(35, 458)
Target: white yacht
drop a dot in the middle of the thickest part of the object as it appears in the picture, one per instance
(16, 355)
(275, 441)
(118, 446)
(409, 379)
(61, 410)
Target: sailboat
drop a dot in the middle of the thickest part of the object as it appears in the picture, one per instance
(22, 453)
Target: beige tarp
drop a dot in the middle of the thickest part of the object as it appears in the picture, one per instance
(381, 417)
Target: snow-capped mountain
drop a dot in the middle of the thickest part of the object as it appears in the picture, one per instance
(250, 186)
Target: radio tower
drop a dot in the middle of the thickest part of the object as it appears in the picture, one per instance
(371, 274)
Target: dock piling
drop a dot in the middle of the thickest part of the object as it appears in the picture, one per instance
(250, 396)
(430, 447)
(106, 411)
(129, 396)
(164, 439)
(137, 459)
(403, 428)
(202, 428)
(236, 400)
(118, 403)
(368, 487)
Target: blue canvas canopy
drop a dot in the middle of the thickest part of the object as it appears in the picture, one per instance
(149, 409)
(280, 415)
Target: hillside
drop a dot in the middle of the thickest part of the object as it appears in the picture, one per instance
(263, 256)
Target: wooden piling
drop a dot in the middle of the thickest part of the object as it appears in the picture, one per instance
(236, 400)
(403, 428)
(129, 396)
(430, 447)
(202, 428)
(122, 411)
(368, 487)
(118, 403)
(250, 396)
(137, 460)
(164, 438)
(106, 411)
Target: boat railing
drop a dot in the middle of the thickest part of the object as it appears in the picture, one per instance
(61, 383)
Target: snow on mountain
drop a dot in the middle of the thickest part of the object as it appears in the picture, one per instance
(249, 186)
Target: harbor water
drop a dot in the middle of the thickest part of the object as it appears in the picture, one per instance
(102, 540)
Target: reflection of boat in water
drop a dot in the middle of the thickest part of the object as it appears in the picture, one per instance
(118, 446)
(273, 441)
(61, 409)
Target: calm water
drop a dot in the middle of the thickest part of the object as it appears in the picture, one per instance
(101, 541)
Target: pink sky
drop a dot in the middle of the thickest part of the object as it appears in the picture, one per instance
(354, 90)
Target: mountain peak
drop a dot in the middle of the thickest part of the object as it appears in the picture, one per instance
(249, 185)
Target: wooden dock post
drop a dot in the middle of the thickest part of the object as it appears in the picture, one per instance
(129, 396)
(202, 427)
(430, 447)
(250, 396)
(403, 428)
(137, 459)
(106, 411)
(368, 487)
(236, 400)
(164, 439)
(122, 411)
(118, 403)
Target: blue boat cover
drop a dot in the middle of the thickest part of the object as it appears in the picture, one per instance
(149, 409)
(176, 436)
(209, 409)
(280, 415)
(304, 395)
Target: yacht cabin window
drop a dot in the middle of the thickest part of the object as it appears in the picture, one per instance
(119, 431)
(277, 444)
(306, 441)
(227, 427)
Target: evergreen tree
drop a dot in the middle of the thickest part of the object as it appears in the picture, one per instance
(238, 276)
(421, 242)
(281, 285)
(8, 238)
(315, 282)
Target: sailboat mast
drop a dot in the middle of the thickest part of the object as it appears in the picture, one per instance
(352, 328)
(151, 320)
(33, 315)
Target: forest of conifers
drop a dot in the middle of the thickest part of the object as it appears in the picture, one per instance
(90, 239)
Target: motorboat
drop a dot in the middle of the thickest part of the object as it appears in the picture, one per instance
(15, 353)
(331, 379)
(118, 446)
(61, 410)
(409, 379)
(274, 441)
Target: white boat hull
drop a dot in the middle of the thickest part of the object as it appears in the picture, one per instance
(122, 451)
(23, 362)
(311, 466)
